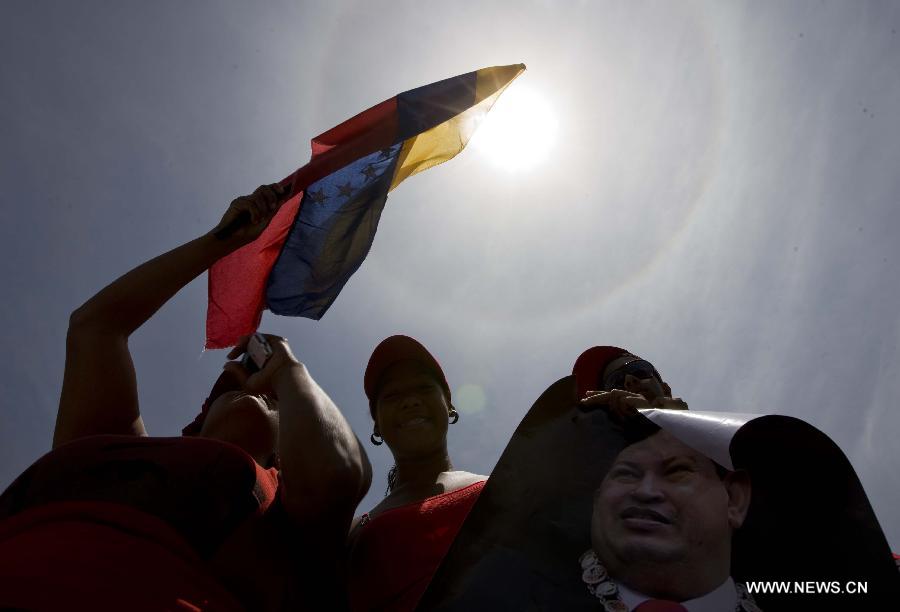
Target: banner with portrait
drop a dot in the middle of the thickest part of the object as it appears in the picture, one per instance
(809, 524)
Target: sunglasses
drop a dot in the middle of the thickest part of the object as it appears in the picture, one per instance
(638, 368)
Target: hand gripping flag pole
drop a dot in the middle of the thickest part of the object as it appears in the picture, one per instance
(325, 226)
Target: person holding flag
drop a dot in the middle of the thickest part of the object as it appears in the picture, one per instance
(112, 519)
(331, 206)
(110, 510)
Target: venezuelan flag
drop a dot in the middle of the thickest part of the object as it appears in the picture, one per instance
(325, 228)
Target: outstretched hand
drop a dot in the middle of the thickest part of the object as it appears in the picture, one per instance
(263, 381)
(261, 206)
(622, 404)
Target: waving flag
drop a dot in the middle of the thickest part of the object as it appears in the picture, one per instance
(324, 229)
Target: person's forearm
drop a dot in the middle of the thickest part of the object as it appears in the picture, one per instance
(127, 303)
(324, 467)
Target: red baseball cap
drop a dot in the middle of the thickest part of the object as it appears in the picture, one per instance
(390, 351)
(590, 364)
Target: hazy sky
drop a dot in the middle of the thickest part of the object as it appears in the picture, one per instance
(720, 195)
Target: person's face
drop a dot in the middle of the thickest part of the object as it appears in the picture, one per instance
(640, 380)
(248, 421)
(662, 502)
(411, 410)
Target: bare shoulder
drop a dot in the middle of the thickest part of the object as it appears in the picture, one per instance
(459, 479)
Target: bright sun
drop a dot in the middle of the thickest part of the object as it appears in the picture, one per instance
(519, 131)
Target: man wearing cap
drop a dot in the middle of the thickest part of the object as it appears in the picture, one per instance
(613, 377)
(664, 514)
(526, 555)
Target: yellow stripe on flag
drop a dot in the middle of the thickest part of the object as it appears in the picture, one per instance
(443, 142)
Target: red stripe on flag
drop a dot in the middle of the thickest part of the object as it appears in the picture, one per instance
(371, 130)
(237, 283)
(376, 126)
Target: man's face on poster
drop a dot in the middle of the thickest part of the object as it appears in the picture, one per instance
(664, 503)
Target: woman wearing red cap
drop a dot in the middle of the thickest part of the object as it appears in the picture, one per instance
(111, 519)
(397, 546)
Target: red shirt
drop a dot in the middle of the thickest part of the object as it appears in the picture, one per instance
(128, 523)
(396, 553)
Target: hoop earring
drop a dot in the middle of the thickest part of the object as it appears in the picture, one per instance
(376, 438)
(454, 416)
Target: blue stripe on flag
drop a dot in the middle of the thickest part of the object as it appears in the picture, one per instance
(331, 236)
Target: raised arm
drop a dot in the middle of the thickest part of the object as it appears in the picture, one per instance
(324, 467)
(99, 392)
